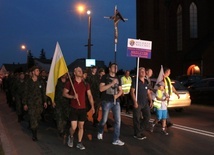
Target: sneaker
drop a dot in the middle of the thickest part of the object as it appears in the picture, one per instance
(80, 146)
(70, 141)
(118, 142)
(164, 132)
(140, 137)
(99, 136)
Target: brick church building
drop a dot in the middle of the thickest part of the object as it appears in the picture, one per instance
(182, 35)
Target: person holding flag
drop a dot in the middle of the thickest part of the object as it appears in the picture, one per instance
(140, 104)
(76, 90)
(169, 88)
(160, 103)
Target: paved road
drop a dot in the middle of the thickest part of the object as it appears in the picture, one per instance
(16, 139)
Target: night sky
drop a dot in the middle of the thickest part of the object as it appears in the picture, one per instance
(39, 24)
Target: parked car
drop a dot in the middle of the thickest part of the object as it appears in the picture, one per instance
(202, 90)
(187, 80)
(174, 102)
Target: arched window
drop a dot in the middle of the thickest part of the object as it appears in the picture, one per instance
(179, 28)
(193, 20)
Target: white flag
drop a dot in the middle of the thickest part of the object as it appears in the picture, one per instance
(160, 77)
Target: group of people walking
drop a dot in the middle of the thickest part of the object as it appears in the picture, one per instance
(96, 90)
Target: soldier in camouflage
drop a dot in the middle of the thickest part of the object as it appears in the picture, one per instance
(34, 100)
(62, 106)
(18, 93)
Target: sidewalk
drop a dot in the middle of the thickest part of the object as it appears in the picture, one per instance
(14, 141)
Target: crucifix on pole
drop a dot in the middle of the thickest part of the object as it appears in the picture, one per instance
(116, 18)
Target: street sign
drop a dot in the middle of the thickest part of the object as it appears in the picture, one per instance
(139, 48)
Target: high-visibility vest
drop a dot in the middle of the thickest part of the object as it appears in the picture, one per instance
(157, 103)
(168, 85)
(126, 84)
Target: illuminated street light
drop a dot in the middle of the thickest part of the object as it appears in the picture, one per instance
(23, 47)
(88, 12)
(80, 8)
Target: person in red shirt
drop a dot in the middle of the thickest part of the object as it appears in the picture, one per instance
(78, 105)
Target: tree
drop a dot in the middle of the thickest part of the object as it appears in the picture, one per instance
(42, 55)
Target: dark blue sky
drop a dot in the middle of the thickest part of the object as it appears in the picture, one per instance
(41, 23)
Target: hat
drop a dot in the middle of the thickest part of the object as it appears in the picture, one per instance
(160, 84)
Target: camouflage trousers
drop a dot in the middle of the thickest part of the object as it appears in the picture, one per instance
(61, 117)
(19, 106)
(34, 113)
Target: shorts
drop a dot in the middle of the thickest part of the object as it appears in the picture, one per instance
(161, 114)
(78, 114)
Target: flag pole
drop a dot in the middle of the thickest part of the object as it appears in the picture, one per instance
(72, 85)
(138, 61)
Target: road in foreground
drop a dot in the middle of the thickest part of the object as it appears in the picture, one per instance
(182, 139)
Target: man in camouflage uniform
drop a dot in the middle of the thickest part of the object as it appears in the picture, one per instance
(62, 106)
(8, 82)
(18, 92)
(34, 100)
(49, 110)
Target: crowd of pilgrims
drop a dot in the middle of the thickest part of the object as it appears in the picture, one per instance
(23, 97)
(14, 85)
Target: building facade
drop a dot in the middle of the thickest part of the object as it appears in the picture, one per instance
(181, 32)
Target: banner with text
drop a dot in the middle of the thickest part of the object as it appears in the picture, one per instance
(139, 48)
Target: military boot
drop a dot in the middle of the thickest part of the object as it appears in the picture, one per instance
(34, 133)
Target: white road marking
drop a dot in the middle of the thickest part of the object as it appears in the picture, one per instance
(194, 130)
(181, 127)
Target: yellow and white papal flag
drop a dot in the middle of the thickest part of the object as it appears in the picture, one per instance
(58, 68)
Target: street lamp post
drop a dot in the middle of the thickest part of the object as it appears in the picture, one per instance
(89, 34)
(81, 9)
